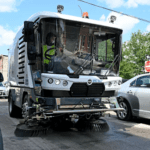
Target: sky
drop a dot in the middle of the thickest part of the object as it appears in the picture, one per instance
(13, 13)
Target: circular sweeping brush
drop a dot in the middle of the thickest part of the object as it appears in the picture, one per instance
(23, 130)
(92, 125)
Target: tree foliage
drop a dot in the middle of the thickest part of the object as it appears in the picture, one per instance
(134, 54)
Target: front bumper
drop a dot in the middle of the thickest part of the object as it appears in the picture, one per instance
(78, 105)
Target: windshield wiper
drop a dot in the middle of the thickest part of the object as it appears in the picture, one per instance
(85, 63)
(115, 60)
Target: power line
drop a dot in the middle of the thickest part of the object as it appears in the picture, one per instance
(81, 10)
(115, 11)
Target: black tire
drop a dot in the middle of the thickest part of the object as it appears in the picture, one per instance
(25, 99)
(14, 111)
(124, 115)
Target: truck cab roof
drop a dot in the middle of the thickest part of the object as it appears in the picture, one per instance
(47, 14)
(71, 18)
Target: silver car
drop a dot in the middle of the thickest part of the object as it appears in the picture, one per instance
(7, 85)
(134, 97)
(3, 91)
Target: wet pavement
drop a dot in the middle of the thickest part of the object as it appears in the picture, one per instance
(133, 135)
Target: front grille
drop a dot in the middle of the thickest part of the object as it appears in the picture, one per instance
(82, 89)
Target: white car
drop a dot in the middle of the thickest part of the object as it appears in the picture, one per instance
(134, 97)
(3, 91)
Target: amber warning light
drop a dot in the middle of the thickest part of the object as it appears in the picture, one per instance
(85, 15)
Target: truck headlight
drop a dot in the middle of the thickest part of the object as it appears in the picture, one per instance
(57, 82)
(50, 81)
(65, 83)
(109, 84)
(119, 82)
(115, 83)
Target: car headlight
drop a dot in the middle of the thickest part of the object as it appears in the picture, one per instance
(57, 82)
(109, 84)
(65, 83)
(119, 82)
(50, 81)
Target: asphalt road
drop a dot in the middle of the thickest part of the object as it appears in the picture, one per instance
(133, 135)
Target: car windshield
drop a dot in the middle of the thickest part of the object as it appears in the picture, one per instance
(1, 84)
(77, 48)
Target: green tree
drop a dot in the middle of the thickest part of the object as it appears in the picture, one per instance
(134, 54)
(102, 50)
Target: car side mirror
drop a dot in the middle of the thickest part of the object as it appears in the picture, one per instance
(1, 77)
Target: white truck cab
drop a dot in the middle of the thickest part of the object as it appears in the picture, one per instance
(61, 64)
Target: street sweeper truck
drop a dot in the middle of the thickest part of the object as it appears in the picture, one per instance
(61, 66)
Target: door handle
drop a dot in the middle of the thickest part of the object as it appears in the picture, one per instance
(129, 92)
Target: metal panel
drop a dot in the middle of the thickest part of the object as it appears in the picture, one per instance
(21, 60)
(21, 70)
(21, 80)
(22, 52)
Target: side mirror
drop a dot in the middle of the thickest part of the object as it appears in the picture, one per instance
(31, 51)
(28, 31)
(1, 77)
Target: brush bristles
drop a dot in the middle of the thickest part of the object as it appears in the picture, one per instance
(22, 130)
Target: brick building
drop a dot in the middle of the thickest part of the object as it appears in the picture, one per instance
(4, 66)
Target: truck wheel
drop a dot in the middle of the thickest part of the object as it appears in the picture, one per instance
(25, 106)
(126, 114)
(25, 100)
(14, 111)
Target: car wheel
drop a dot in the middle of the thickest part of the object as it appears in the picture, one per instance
(14, 111)
(126, 114)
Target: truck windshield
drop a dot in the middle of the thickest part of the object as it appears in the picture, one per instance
(77, 48)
